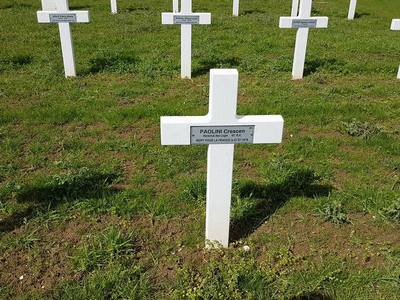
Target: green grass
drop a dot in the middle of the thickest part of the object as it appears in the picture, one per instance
(78, 151)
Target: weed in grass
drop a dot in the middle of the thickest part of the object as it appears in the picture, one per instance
(110, 246)
(25, 241)
(362, 129)
(116, 281)
(392, 212)
(233, 276)
(334, 212)
(194, 189)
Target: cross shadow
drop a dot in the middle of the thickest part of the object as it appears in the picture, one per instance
(15, 62)
(312, 296)
(313, 65)
(360, 15)
(135, 9)
(16, 5)
(212, 63)
(253, 11)
(267, 199)
(80, 7)
(51, 192)
(112, 62)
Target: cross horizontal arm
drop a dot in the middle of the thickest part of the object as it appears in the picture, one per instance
(176, 130)
(299, 22)
(76, 16)
(395, 24)
(202, 18)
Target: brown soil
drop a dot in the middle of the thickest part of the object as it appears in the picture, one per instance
(306, 235)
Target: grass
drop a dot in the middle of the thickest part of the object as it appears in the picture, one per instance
(92, 206)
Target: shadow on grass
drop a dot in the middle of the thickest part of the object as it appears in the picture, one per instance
(16, 5)
(312, 296)
(15, 62)
(265, 200)
(360, 15)
(214, 62)
(48, 193)
(80, 7)
(113, 62)
(253, 11)
(313, 65)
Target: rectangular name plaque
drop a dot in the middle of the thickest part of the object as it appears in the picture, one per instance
(200, 135)
(182, 20)
(62, 18)
(304, 23)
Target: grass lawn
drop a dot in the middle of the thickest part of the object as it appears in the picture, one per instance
(93, 207)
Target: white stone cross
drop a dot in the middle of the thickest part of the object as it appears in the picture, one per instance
(63, 16)
(114, 6)
(186, 19)
(396, 26)
(235, 8)
(221, 129)
(303, 22)
(352, 9)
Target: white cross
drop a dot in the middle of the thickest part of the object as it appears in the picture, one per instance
(221, 128)
(352, 9)
(114, 6)
(186, 19)
(235, 8)
(63, 16)
(303, 22)
(396, 26)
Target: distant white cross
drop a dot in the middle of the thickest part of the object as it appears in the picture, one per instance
(352, 9)
(63, 16)
(303, 22)
(221, 128)
(396, 26)
(235, 8)
(114, 6)
(186, 19)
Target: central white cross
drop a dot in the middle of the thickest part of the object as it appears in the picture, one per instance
(186, 18)
(303, 22)
(221, 129)
(63, 16)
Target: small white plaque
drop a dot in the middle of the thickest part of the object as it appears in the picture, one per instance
(182, 20)
(62, 18)
(304, 23)
(200, 135)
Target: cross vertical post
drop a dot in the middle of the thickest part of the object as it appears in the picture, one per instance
(186, 41)
(396, 26)
(114, 6)
(221, 129)
(63, 16)
(303, 22)
(352, 9)
(295, 8)
(49, 5)
(186, 18)
(235, 8)
(175, 6)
